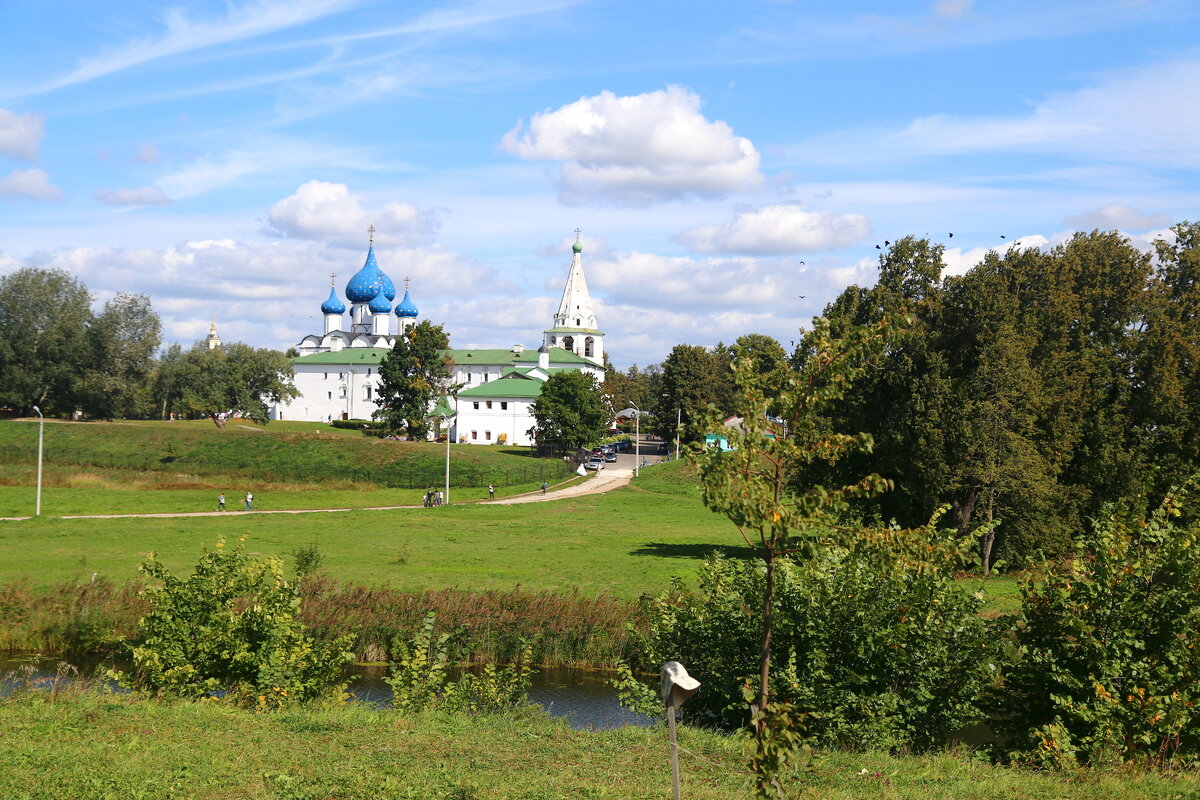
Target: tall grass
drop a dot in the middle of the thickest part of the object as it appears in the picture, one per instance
(564, 629)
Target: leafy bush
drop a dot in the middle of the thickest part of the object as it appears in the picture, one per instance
(307, 558)
(351, 424)
(420, 677)
(871, 653)
(1107, 668)
(231, 629)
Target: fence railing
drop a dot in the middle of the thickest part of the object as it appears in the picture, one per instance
(392, 477)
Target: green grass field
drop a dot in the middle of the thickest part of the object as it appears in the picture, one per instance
(243, 454)
(625, 542)
(98, 746)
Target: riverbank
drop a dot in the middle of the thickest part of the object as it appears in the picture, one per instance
(92, 745)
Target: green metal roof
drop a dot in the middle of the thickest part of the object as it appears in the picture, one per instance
(465, 358)
(443, 408)
(505, 387)
(348, 355)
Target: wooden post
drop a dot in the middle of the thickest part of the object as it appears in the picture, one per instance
(674, 751)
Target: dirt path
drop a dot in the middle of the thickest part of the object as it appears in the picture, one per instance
(605, 481)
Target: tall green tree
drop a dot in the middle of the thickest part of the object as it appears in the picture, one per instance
(122, 340)
(570, 409)
(44, 317)
(692, 378)
(233, 378)
(412, 377)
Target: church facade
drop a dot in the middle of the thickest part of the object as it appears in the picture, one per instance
(337, 371)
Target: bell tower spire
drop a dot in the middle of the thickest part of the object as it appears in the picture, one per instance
(575, 328)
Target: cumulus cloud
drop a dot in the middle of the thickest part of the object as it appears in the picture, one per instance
(31, 183)
(778, 230)
(148, 153)
(1115, 215)
(329, 212)
(143, 196)
(21, 134)
(637, 149)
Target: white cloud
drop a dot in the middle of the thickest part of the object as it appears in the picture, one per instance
(952, 8)
(329, 212)
(1114, 119)
(1115, 215)
(143, 196)
(183, 34)
(778, 230)
(32, 183)
(638, 149)
(147, 153)
(20, 134)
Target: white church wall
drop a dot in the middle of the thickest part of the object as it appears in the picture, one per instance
(483, 425)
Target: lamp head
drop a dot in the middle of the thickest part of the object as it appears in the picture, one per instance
(677, 685)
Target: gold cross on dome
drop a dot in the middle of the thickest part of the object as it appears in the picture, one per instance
(371, 231)
(406, 280)
(577, 232)
(333, 279)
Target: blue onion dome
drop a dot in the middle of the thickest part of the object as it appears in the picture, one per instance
(369, 281)
(407, 307)
(333, 305)
(379, 303)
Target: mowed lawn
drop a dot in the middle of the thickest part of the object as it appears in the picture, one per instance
(626, 542)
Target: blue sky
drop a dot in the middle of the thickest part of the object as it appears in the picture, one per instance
(723, 159)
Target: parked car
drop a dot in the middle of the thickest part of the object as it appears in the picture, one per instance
(595, 464)
(663, 449)
(610, 456)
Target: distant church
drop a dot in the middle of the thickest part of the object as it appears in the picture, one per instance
(337, 372)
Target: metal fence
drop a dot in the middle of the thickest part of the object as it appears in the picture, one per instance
(392, 477)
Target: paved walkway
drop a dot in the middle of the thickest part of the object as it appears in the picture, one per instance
(615, 476)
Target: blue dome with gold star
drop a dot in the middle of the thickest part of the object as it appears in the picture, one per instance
(333, 305)
(370, 281)
(407, 307)
(379, 303)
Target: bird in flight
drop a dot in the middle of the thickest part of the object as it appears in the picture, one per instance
(952, 236)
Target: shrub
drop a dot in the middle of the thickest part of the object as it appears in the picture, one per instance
(420, 678)
(869, 652)
(307, 559)
(1107, 668)
(231, 629)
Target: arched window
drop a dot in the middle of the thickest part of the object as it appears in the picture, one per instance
(578, 323)
(587, 347)
(569, 343)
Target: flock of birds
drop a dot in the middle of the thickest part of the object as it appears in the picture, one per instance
(948, 235)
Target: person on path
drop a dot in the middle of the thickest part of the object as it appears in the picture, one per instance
(221, 502)
(544, 487)
(491, 492)
(438, 497)
(249, 501)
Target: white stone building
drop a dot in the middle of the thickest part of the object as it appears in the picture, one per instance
(337, 371)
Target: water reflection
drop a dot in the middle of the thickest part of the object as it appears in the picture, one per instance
(582, 697)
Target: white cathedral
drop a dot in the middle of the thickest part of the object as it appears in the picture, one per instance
(337, 372)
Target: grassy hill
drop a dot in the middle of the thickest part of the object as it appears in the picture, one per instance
(281, 452)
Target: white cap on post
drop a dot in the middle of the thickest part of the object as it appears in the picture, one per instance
(677, 685)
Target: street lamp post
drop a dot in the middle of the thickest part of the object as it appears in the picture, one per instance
(446, 424)
(637, 438)
(37, 506)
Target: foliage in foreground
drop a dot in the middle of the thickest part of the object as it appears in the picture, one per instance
(421, 677)
(231, 629)
(868, 652)
(1107, 666)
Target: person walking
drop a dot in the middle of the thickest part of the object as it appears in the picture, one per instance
(249, 501)
(221, 502)
(491, 492)
(544, 484)
(438, 498)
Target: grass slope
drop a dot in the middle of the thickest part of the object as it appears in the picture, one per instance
(277, 452)
(95, 746)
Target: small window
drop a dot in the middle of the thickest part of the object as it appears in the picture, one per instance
(487, 435)
(489, 404)
(368, 370)
(577, 323)
(330, 395)
(486, 377)
(474, 434)
(503, 406)
(368, 392)
(475, 405)
(468, 377)
(326, 376)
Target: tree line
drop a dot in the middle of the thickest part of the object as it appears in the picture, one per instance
(61, 355)
(1033, 389)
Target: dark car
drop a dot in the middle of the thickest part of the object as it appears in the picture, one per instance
(662, 449)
